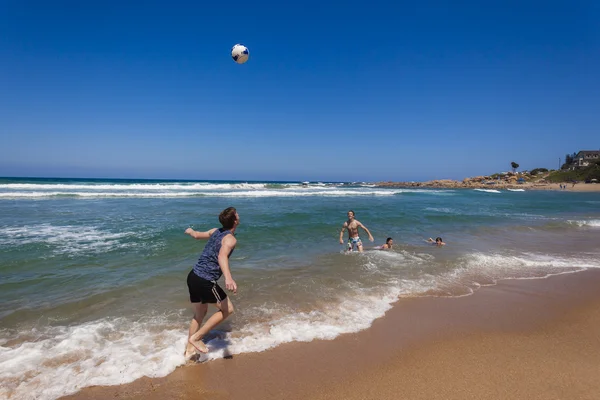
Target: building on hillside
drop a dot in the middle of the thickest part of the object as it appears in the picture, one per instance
(585, 158)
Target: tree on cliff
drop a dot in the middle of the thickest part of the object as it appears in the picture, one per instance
(569, 159)
(514, 166)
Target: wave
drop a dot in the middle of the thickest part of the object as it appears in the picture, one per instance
(68, 239)
(288, 192)
(487, 190)
(179, 189)
(444, 210)
(61, 360)
(474, 212)
(136, 186)
(594, 223)
(523, 265)
(112, 351)
(478, 269)
(104, 352)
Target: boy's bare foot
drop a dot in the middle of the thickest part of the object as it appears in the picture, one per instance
(198, 345)
(189, 351)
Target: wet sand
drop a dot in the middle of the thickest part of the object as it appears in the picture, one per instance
(525, 339)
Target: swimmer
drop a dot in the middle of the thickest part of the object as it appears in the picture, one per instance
(437, 242)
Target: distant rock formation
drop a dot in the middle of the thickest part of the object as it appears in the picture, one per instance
(507, 180)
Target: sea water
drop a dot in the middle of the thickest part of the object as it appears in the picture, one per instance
(93, 272)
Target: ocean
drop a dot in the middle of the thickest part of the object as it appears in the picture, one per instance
(93, 288)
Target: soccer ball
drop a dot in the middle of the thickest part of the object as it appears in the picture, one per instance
(239, 53)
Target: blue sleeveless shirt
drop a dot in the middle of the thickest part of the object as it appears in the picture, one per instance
(207, 266)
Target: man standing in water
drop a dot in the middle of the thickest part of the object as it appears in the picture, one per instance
(202, 279)
(352, 225)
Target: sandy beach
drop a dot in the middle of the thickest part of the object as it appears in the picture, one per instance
(578, 187)
(451, 184)
(519, 339)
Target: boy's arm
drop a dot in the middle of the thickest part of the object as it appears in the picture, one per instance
(342, 232)
(199, 235)
(366, 230)
(227, 246)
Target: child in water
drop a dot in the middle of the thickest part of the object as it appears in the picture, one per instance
(389, 243)
(438, 241)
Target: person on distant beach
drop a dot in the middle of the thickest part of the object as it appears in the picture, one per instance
(202, 279)
(353, 239)
(389, 243)
(438, 241)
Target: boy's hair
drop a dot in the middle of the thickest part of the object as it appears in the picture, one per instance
(227, 217)
(388, 240)
(438, 238)
(353, 213)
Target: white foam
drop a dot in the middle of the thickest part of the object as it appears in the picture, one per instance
(241, 193)
(304, 193)
(444, 210)
(132, 186)
(349, 315)
(472, 211)
(516, 190)
(376, 260)
(104, 352)
(407, 258)
(487, 190)
(594, 223)
(193, 189)
(118, 350)
(358, 310)
(501, 266)
(17, 195)
(66, 238)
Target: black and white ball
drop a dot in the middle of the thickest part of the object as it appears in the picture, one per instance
(240, 53)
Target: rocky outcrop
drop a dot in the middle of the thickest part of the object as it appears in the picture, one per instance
(508, 180)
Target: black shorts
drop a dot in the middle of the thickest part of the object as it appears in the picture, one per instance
(203, 291)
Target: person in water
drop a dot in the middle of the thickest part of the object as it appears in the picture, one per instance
(202, 279)
(438, 241)
(353, 239)
(389, 243)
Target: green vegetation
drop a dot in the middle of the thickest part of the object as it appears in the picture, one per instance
(579, 175)
(538, 170)
(541, 175)
(569, 158)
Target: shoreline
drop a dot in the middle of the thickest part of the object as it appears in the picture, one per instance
(449, 184)
(528, 338)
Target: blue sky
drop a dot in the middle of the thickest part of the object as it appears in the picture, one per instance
(351, 91)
